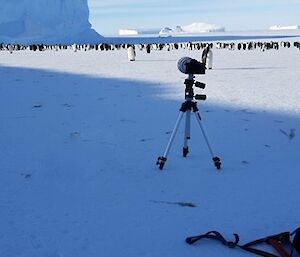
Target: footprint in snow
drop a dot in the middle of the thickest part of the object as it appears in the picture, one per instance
(26, 175)
(181, 204)
(290, 135)
(245, 162)
(127, 120)
(146, 139)
(246, 111)
(278, 121)
(37, 106)
(75, 135)
(67, 105)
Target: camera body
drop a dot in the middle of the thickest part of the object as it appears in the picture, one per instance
(188, 65)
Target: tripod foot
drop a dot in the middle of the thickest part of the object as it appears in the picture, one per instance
(161, 162)
(217, 162)
(185, 151)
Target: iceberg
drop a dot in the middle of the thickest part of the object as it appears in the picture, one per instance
(133, 32)
(46, 21)
(200, 27)
(279, 27)
(194, 28)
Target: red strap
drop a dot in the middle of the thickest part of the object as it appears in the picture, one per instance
(278, 247)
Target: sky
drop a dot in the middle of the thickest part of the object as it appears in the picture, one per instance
(108, 17)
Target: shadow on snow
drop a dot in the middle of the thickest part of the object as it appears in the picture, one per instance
(78, 169)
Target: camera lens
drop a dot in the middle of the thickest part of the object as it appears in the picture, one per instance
(182, 64)
(188, 65)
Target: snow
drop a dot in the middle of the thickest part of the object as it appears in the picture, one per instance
(43, 21)
(80, 134)
(280, 27)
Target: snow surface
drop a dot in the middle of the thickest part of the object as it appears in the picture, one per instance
(80, 134)
(44, 21)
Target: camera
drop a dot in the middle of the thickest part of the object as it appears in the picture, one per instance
(188, 65)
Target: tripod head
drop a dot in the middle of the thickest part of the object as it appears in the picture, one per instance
(189, 90)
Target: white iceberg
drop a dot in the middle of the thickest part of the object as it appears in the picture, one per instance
(280, 27)
(194, 28)
(44, 21)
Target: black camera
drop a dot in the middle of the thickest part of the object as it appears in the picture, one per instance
(188, 65)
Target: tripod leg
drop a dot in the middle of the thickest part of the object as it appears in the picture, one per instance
(187, 133)
(216, 159)
(161, 160)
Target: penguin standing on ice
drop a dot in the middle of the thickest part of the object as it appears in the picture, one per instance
(74, 48)
(148, 49)
(10, 48)
(207, 57)
(131, 53)
(204, 55)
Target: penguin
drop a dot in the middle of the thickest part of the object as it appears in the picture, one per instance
(209, 59)
(131, 53)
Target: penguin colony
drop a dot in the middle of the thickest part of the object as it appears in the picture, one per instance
(263, 46)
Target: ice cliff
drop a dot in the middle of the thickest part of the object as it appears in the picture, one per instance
(46, 21)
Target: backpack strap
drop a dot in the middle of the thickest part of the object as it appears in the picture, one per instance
(215, 235)
(278, 247)
(276, 241)
(296, 240)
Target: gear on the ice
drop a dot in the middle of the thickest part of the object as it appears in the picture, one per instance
(282, 243)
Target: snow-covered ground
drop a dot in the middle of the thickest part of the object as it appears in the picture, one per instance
(80, 134)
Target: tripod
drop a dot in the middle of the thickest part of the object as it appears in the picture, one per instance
(186, 108)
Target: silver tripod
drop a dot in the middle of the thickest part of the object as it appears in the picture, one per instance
(187, 108)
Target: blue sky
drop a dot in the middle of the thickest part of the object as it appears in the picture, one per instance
(108, 17)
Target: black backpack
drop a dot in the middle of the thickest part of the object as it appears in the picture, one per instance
(284, 243)
(296, 240)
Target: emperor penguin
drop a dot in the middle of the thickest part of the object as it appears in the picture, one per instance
(131, 53)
